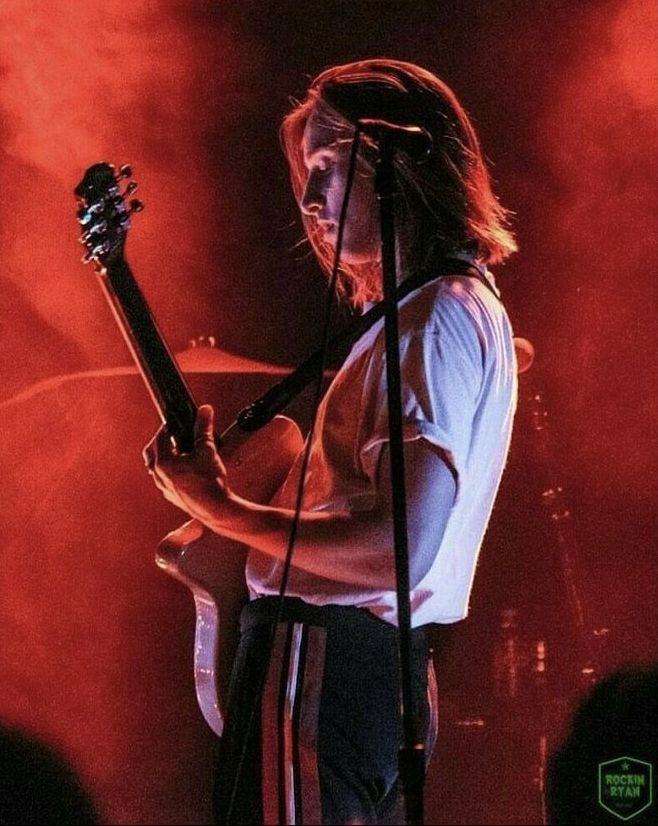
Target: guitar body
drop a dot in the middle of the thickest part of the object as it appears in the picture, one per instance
(212, 567)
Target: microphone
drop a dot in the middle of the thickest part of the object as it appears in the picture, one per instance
(414, 141)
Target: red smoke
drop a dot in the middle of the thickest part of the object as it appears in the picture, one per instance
(91, 652)
(139, 82)
(598, 139)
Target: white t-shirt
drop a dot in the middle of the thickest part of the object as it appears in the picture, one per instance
(459, 393)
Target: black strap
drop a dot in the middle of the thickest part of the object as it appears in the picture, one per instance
(278, 397)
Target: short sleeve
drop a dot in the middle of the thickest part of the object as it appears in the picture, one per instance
(441, 366)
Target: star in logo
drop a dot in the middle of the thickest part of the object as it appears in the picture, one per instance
(624, 766)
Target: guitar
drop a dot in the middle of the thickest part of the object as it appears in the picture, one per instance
(257, 463)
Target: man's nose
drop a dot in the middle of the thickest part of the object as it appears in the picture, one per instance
(313, 199)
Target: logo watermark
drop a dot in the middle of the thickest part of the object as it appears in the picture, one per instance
(625, 786)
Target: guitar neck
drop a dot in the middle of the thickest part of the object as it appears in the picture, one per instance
(169, 391)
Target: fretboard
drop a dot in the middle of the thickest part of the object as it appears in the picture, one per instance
(169, 391)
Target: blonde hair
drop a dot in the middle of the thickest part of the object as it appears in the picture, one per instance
(448, 203)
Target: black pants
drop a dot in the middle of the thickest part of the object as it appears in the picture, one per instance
(312, 731)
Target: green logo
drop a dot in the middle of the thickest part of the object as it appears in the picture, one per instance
(625, 786)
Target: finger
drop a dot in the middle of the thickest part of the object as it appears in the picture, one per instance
(204, 426)
(150, 451)
(205, 446)
(160, 485)
(168, 468)
(165, 490)
(148, 456)
(164, 447)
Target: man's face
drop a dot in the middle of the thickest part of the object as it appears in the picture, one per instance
(326, 158)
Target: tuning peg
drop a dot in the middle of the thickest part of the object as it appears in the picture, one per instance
(96, 229)
(92, 254)
(125, 171)
(118, 204)
(101, 249)
(132, 186)
(136, 205)
(84, 216)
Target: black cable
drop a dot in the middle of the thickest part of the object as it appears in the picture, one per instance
(304, 465)
(319, 381)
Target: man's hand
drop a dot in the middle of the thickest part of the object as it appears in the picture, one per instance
(191, 481)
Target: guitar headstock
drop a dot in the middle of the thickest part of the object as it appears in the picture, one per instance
(103, 213)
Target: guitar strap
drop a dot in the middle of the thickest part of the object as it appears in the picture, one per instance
(277, 398)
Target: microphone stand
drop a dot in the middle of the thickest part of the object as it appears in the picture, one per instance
(412, 752)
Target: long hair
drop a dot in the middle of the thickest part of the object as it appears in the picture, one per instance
(446, 203)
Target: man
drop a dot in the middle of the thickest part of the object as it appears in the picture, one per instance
(317, 720)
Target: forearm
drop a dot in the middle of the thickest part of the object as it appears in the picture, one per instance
(353, 547)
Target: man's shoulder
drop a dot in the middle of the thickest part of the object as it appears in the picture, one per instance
(450, 299)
